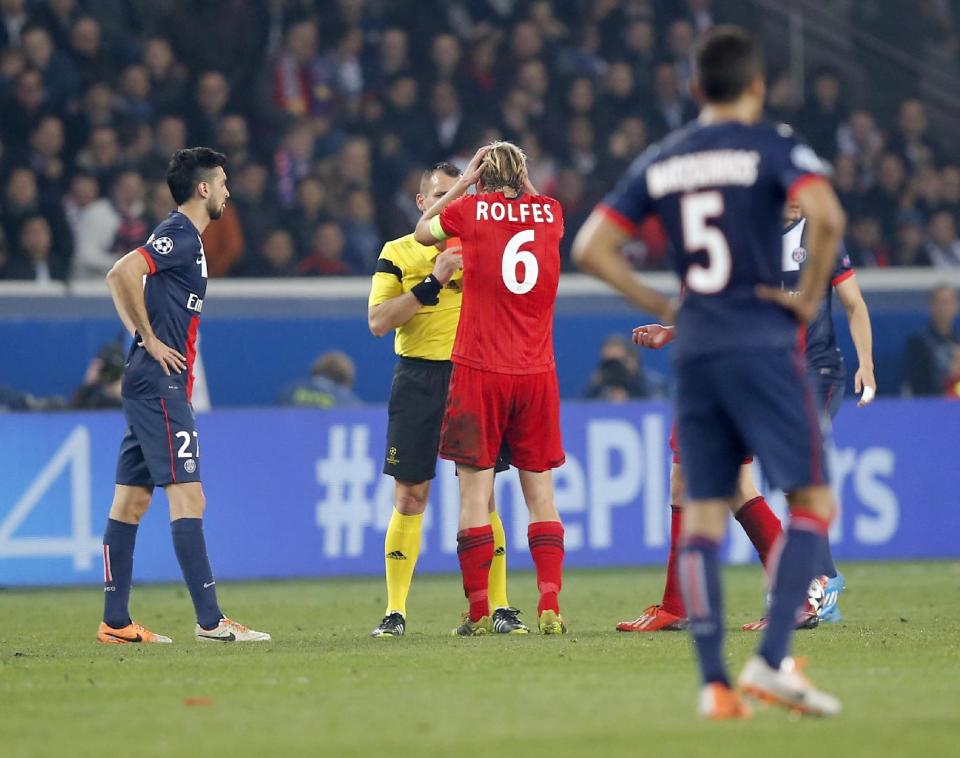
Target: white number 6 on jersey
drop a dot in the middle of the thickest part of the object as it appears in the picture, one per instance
(512, 255)
(695, 212)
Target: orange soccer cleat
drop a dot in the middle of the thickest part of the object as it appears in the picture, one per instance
(720, 703)
(133, 632)
(654, 619)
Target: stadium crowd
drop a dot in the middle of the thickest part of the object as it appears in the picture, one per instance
(329, 109)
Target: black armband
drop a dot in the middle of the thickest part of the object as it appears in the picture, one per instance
(428, 291)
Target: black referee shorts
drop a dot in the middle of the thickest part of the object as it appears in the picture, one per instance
(418, 398)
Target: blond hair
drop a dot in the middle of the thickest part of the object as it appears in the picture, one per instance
(504, 165)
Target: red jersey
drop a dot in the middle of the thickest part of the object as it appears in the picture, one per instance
(511, 268)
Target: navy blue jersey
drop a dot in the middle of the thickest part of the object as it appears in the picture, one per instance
(719, 190)
(820, 343)
(174, 293)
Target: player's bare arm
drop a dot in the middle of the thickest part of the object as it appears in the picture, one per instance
(825, 225)
(423, 233)
(384, 317)
(653, 336)
(125, 281)
(858, 316)
(596, 250)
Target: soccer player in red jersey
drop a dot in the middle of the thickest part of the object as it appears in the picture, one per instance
(504, 382)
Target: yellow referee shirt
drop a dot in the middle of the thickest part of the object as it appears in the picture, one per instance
(402, 265)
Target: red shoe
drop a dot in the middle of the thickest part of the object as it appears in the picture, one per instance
(654, 619)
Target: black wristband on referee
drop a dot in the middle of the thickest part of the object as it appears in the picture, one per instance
(428, 291)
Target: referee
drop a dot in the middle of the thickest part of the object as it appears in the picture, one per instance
(417, 291)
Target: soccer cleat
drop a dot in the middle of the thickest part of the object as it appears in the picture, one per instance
(474, 628)
(230, 631)
(654, 619)
(787, 687)
(720, 703)
(806, 619)
(507, 621)
(133, 632)
(393, 625)
(829, 610)
(551, 623)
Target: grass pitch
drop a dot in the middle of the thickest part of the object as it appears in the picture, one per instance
(323, 688)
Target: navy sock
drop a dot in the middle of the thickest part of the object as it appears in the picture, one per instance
(191, 551)
(802, 550)
(703, 599)
(826, 565)
(119, 540)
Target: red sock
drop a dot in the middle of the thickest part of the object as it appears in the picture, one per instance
(672, 598)
(546, 547)
(475, 551)
(761, 525)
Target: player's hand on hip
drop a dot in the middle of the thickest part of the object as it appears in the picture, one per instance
(803, 306)
(653, 336)
(865, 382)
(447, 264)
(168, 358)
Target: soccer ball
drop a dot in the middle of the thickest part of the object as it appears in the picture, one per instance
(816, 593)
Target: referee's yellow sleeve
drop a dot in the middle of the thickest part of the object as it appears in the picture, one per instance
(387, 279)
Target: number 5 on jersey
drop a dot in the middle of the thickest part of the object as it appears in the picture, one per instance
(512, 257)
(696, 211)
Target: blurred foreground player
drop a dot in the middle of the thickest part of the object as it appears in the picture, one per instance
(417, 291)
(504, 382)
(827, 375)
(719, 186)
(158, 291)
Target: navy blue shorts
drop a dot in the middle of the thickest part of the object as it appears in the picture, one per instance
(829, 386)
(161, 445)
(757, 403)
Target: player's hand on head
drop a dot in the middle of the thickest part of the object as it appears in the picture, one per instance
(474, 169)
(168, 358)
(447, 264)
(864, 381)
(653, 336)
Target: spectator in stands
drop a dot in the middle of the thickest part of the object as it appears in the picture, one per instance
(223, 243)
(910, 241)
(170, 135)
(942, 248)
(670, 109)
(32, 259)
(845, 184)
(135, 95)
(619, 377)
(860, 138)
(160, 203)
(911, 142)
(950, 191)
(885, 199)
(25, 105)
(91, 61)
(311, 209)
(13, 19)
(293, 160)
(59, 78)
(327, 253)
(21, 201)
(866, 245)
(276, 257)
(301, 84)
(256, 207)
(329, 385)
(953, 376)
(233, 140)
(112, 227)
(57, 17)
(820, 120)
(46, 156)
(929, 353)
(101, 156)
(79, 199)
(212, 97)
(168, 77)
(362, 237)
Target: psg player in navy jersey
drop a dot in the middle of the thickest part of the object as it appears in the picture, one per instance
(158, 291)
(719, 187)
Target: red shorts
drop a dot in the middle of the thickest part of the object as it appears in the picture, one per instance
(675, 446)
(486, 408)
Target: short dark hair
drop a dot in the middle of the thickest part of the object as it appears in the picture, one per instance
(727, 60)
(189, 167)
(444, 167)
